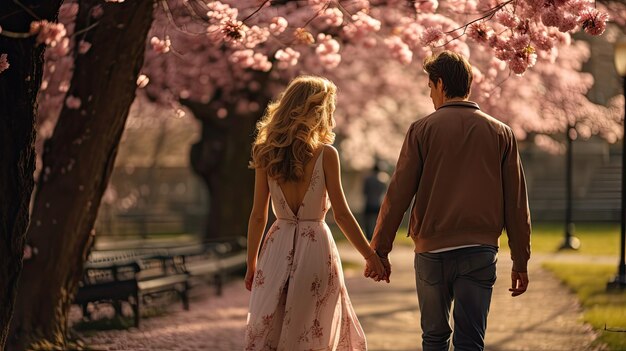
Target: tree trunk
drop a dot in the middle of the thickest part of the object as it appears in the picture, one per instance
(18, 95)
(78, 161)
(221, 159)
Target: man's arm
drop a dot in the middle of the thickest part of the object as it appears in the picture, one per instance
(516, 212)
(400, 192)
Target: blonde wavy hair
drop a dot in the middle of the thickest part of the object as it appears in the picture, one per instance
(295, 125)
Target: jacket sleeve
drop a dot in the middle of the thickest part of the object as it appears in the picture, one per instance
(400, 192)
(516, 211)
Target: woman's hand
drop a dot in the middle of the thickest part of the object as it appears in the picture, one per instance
(249, 277)
(375, 268)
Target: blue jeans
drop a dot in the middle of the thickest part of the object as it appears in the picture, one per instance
(465, 276)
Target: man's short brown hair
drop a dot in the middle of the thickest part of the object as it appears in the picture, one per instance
(454, 71)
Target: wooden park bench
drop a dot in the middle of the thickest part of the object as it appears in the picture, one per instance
(136, 275)
(132, 277)
(216, 263)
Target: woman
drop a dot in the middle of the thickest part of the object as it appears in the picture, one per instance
(299, 299)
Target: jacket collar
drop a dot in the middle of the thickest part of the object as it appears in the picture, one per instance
(470, 104)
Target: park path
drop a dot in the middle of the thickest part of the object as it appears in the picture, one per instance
(547, 317)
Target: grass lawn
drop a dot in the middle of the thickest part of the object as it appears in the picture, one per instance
(601, 308)
(595, 238)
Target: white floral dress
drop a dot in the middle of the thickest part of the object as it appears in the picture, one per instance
(299, 299)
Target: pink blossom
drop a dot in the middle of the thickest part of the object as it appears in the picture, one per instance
(536, 5)
(426, 6)
(83, 47)
(48, 33)
(243, 57)
(221, 13)
(4, 63)
(278, 25)
(333, 17)
(523, 60)
(142, 81)
(62, 48)
(72, 102)
(518, 65)
(479, 32)
(255, 36)
(460, 47)
(519, 42)
(64, 86)
(97, 11)
(502, 49)
(549, 144)
(261, 63)
(369, 42)
(562, 38)
(287, 57)
(28, 252)
(507, 19)
(328, 51)
(568, 23)
(399, 50)
(479, 77)
(411, 34)
(432, 36)
(362, 25)
(559, 3)
(68, 10)
(594, 21)
(161, 46)
(542, 41)
(552, 17)
(249, 59)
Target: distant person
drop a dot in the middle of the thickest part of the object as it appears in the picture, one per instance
(463, 168)
(299, 299)
(374, 188)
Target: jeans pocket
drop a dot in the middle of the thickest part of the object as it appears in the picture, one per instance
(481, 267)
(429, 269)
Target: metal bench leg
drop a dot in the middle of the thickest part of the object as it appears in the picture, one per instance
(136, 309)
(86, 314)
(219, 280)
(185, 297)
(117, 305)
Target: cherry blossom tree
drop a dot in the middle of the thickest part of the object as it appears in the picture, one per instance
(21, 64)
(278, 40)
(108, 51)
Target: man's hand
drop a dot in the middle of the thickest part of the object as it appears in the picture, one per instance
(519, 283)
(369, 272)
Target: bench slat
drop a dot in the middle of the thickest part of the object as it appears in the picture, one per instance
(159, 283)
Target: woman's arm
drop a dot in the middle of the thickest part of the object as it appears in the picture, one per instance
(257, 222)
(341, 211)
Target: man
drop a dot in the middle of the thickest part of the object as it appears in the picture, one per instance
(463, 168)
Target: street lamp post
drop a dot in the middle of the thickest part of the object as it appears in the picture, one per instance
(570, 242)
(619, 282)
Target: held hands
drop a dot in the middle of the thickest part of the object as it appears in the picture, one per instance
(519, 283)
(378, 268)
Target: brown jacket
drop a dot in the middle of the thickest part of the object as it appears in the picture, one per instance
(463, 168)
